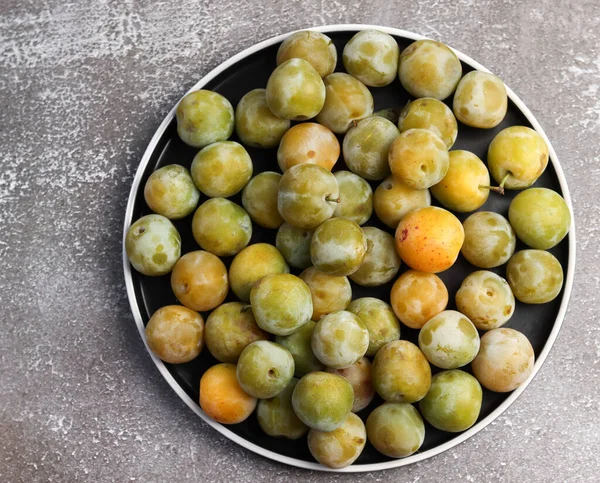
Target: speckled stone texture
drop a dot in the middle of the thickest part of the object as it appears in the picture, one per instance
(83, 86)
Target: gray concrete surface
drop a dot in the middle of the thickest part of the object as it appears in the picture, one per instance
(83, 85)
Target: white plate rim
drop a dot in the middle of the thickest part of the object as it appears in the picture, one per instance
(568, 287)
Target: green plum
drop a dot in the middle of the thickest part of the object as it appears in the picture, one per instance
(429, 69)
(454, 401)
(221, 227)
(401, 372)
(396, 429)
(372, 57)
(322, 401)
(204, 117)
(295, 90)
(170, 191)
(379, 319)
(359, 376)
(222, 169)
(356, 198)
(308, 142)
(517, 157)
(366, 147)
(381, 262)
(253, 263)
(535, 276)
(329, 293)
(449, 340)
(418, 158)
(281, 303)
(340, 339)
(393, 199)
(347, 100)
(480, 100)
(489, 239)
(431, 114)
(486, 299)
(276, 416)
(338, 247)
(299, 345)
(264, 369)
(259, 197)
(314, 47)
(255, 124)
(294, 245)
(505, 360)
(540, 217)
(342, 446)
(307, 195)
(229, 329)
(153, 245)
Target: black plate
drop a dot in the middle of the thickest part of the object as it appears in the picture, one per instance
(535, 321)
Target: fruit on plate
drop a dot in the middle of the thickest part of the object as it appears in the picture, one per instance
(340, 339)
(175, 334)
(486, 298)
(281, 303)
(429, 239)
(535, 276)
(429, 69)
(540, 217)
(329, 293)
(308, 195)
(342, 446)
(381, 262)
(255, 124)
(199, 280)
(480, 100)
(338, 247)
(393, 199)
(204, 117)
(221, 227)
(276, 416)
(222, 169)
(517, 157)
(314, 47)
(356, 198)
(449, 340)
(505, 360)
(359, 376)
(294, 245)
(371, 56)
(418, 158)
(253, 263)
(322, 401)
(396, 429)
(259, 198)
(379, 319)
(153, 245)
(308, 142)
(295, 90)
(299, 345)
(489, 239)
(170, 191)
(221, 396)
(229, 329)
(431, 114)
(453, 402)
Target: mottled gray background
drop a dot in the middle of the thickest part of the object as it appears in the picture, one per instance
(83, 85)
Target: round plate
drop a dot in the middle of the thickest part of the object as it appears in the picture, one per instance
(248, 70)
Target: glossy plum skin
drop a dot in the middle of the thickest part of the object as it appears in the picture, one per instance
(535, 276)
(480, 100)
(314, 47)
(454, 401)
(341, 447)
(308, 142)
(417, 296)
(229, 329)
(294, 245)
(170, 191)
(204, 117)
(259, 198)
(429, 239)
(153, 245)
(199, 280)
(505, 360)
(329, 293)
(396, 429)
(540, 217)
(221, 396)
(431, 114)
(371, 56)
(359, 376)
(379, 319)
(381, 262)
(255, 124)
(175, 334)
(276, 416)
(299, 345)
(393, 199)
(322, 401)
(489, 239)
(356, 198)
